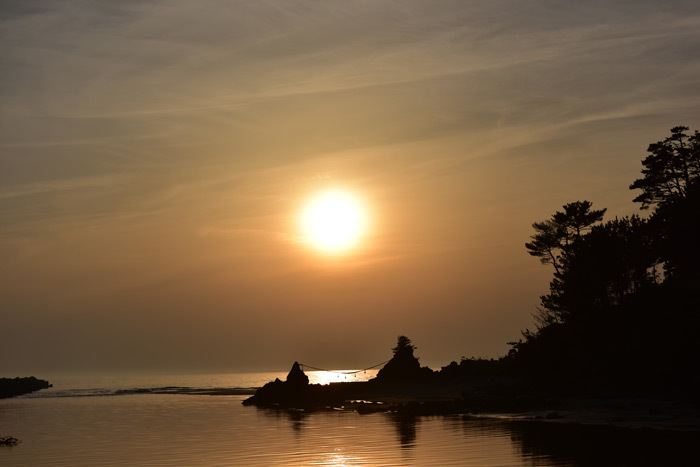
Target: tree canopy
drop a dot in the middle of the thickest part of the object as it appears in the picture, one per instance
(624, 298)
(403, 346)
(554, 234)
(670, 169)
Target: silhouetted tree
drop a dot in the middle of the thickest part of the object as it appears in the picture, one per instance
(403, 345)
(671, 184)
(677, 228)
(612, 321)
(577, 217)
(547, 242)
(403, 365)
(670, 169)
(599, 269)
(554, 234)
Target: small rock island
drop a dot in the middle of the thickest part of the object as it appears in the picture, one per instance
(11, 387)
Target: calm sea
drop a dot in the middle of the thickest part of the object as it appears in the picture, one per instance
(119, 421)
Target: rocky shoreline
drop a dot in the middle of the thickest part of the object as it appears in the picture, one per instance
(415, 397)
(631, 413)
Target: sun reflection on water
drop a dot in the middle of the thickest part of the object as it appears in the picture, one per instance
(340, 376)
(337, 459)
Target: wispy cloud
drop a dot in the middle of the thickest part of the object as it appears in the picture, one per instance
(144, 139)
(51, 187)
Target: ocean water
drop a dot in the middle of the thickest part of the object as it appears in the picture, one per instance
(148, 421)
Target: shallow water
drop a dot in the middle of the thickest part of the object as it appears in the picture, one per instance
(196, 430)
(183, 430)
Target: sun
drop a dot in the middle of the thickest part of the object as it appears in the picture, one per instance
(333, 221)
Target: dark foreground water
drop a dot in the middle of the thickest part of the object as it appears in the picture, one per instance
(79, 427)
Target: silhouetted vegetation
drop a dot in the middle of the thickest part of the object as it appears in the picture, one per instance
(622, 316)
(10, 387)
(623, 311)
(554, 235)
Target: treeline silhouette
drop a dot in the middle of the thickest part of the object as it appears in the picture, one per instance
(622, 315)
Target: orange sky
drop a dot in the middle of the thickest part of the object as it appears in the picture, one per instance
(154, 157)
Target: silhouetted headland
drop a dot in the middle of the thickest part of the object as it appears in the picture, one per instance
(402, 385)
(619, 328)
(11, 387)
(474, 388)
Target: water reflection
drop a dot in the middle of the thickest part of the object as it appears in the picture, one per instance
(599, 445)
(339, 460)
(530, 443)
(406, 425)
(296, 417)
(150, 429)
(406, 428)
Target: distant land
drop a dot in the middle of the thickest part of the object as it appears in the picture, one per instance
(11, 387)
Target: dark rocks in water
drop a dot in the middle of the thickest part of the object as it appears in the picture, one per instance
(285, 395)
(296, 392)
(11, 387)
(296, 376)
(8, 441)
(402, 375)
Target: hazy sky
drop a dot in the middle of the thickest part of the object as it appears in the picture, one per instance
(155, 155)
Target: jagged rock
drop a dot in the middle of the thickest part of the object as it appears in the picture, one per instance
(294, 392)
(296, 376)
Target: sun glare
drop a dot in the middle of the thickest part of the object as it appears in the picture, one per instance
(333, 221)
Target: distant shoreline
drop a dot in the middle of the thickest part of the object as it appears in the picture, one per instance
(12, 387)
